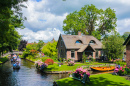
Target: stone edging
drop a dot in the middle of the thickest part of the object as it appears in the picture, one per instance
(57, 72)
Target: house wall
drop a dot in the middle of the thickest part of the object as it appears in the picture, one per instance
(61, 49)
(128, 55)
(94, 54)
(69, 55)
(99, 54)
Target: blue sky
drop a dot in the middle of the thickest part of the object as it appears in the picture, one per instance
(45, 17)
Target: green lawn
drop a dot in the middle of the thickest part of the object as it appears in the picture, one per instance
(96, 80)
(3, 59)
(65, 67)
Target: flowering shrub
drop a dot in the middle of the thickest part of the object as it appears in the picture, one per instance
(122, 70)
(80, 72)
(49, 61)
(40, 65)
(71, 63)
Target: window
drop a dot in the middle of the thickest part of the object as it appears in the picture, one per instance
(72, 54)
(92, 42)
(78, 41)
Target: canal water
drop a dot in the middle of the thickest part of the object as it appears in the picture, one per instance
(27, 75)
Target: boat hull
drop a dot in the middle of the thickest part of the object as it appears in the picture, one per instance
(103, 68)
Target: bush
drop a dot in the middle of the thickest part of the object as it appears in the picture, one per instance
(49, 61)
(54, 58)
(41, 65)
(120, 62)
(71, 63)
(45, 58)
(80, 72)
(30, 57)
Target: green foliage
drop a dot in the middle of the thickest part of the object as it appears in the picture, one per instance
(45, 58)
(54, 58)
(10, 18)
(40, 45)
(119, 62)
(113, 45)
(50, 49)
(84, 57)
(30, 57)
(125, 35)
(88, 18)
(4, 59)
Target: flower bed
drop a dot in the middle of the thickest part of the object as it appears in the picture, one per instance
(49, 61)
(71, 63)
(81, 74)
(122, 70)
(40, 65)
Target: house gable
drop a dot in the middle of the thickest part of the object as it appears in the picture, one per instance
(127, 41)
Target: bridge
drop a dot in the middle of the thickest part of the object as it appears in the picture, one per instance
(13, 52)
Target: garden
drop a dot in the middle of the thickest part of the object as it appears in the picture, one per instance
(45, 59)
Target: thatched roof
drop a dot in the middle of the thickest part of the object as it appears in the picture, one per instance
(70, 42)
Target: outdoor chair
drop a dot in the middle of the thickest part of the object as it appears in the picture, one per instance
(78, 77)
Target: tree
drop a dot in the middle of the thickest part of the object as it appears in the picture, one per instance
(50, 49)
(113, 45)
(125, 35)
(10, 18)
(40, 45)
(22, 45)
(90, 19)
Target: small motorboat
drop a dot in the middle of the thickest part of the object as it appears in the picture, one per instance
(16, 65)
(103, 68)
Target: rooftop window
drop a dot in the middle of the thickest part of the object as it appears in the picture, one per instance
(92, 42)
(78, 42)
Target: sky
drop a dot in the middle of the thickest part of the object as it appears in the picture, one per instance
(45, 17)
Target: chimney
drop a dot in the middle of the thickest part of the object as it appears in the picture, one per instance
(79, 33)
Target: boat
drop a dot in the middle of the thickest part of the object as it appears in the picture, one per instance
(16, 65)
(103, 68)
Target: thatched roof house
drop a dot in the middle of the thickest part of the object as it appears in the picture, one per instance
(73, 46)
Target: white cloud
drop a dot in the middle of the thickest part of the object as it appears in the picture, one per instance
(47, 14)
(45, 35)
(123, 26)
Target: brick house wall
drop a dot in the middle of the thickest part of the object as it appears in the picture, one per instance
(128, 55)
(69, 55)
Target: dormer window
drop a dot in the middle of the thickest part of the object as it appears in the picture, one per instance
(92, 42)
(78, 42)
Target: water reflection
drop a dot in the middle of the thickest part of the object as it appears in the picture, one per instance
(27, 75)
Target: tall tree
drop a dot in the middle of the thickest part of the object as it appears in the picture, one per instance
(10, 18)
(113, 45)
(90, 19)
(40, 45)
(125, 35)
(22, 45)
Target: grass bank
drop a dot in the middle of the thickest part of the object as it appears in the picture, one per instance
(3, 59)
(65, 67)
(96, 80)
